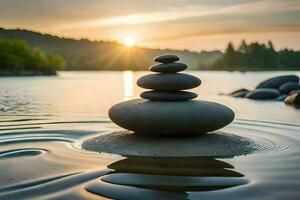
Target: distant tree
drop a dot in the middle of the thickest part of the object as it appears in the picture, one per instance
(289, 59)
(271, 57)
(243, 47)
(257, 56)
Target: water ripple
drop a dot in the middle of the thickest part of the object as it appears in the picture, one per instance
(21, 153)
(62, 171)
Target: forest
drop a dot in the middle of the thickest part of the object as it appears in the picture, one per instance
(18, 58)
(257, 56)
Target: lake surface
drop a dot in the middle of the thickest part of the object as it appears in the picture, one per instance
(44, 120)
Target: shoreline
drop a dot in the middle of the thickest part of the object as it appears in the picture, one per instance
(27, 73)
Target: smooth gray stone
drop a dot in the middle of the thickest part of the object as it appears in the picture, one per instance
(168, 96)
(168, 82)
(168, 67)
(289, 87)
(166, 58)
(276, 82)
(263, 94)
(170, 117)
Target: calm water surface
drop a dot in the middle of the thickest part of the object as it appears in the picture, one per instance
(44, 120)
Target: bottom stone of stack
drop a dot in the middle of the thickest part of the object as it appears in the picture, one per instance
(170, 117)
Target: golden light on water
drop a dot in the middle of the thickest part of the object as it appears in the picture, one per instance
(128, 84)
(129, 41)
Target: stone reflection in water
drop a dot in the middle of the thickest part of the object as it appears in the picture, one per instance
(165, 177)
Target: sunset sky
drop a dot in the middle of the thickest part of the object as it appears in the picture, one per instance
(180, 24)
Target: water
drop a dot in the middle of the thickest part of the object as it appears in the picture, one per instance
(44, 120)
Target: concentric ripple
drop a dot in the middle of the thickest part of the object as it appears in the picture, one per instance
(41, 159)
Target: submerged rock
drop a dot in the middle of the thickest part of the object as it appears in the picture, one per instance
(276, 82)
(170, 118)
(263, 94)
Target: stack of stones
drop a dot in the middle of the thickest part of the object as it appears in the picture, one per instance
(167, 84)
(166, 109)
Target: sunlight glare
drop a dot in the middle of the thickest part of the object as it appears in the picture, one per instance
(128, 84)
(129, 41)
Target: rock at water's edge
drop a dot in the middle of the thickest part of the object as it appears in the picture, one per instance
(263, 94)
(289, 87)
(276, 82)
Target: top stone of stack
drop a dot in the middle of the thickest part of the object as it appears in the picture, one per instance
(166, 58)
(167, 64)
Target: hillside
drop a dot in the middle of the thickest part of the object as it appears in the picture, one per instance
(100, 55)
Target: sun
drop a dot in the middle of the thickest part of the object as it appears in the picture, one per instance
(129, 41)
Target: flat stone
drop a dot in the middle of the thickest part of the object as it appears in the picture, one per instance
(289, 87)
(168, 68)
(263, 94)
(168, 82)
(166, 58)
(170, 117)
(276, 82)
(168, 96)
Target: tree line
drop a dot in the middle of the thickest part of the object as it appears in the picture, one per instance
(257, 56)
(17, 56)
(84, 54)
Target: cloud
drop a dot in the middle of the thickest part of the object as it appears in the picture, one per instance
(188, 12)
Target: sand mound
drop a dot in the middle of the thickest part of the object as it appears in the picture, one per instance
(216, 144)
